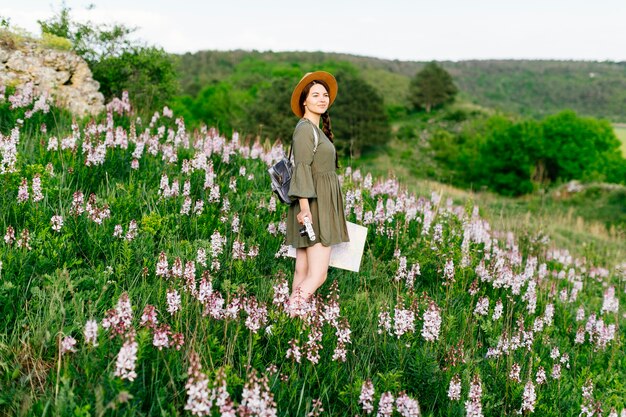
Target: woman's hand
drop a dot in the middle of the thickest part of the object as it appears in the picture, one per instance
(305, 211)
(303, 214)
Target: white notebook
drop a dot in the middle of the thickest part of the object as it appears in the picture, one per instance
(346, 255)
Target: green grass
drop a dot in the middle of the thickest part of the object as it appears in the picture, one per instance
(67, 277)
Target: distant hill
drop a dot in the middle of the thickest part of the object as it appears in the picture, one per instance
(531, 88)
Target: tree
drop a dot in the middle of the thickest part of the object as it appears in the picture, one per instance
(578, 147)
(432, 87)
(269, 115)
(358, 115)
(214, 106)
(148, 73)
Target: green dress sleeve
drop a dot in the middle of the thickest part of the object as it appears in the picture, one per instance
(301, 185)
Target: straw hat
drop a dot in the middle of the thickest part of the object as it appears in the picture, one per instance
(308, 77)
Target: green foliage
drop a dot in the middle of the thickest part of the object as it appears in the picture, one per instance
(147, 73)
(515, 157)
(530, 88)
(359, 118)
(118, 63)
(270, 115)
(55, 121)
(255, 99)
(432, 87)
(49, 40)
(91, 41)
(577, 147)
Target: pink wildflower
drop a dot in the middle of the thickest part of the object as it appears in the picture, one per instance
(22, 192)
(432, 323)
(161, 335)
(257, 398)
(529, 398)
(407, 406)
(366, 399)
(541, 376)
(257, 314)
(448, 272)
(119, 320)
(482, 307)
(177, 268)
(57, 223)
(91, 332)
(132, 231)
(173, 301)
(118, 232)
(68, 344)
(294, 351)
(454, 390)
(514, 375)
(127, 360)
(53, 144)
(199, 397)
(186, 206)
(162, 267)
(198, 207)
(473, 406)
(201, 257)
(497, 311)
(404, 321)
(9, 236)
(37, 194)
(385, 405)
(217, 244)
(178, 340)
(24, 240)
(281, 293)
(78, 201)
(149, 317)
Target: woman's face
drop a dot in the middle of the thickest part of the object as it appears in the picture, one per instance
(317, 100)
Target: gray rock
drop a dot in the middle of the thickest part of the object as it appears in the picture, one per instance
(65, 76)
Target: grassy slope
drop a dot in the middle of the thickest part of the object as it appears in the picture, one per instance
(596, 217)
(80, 272)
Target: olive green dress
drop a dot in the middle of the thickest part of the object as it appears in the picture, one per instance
(314, 177)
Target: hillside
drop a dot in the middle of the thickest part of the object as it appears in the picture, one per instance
(143, 272)
(533, 88)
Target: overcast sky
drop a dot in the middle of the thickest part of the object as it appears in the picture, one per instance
(416, 30)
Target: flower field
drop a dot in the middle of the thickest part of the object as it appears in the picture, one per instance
(143, 272)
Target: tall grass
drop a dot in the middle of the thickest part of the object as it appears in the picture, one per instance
(189, 306)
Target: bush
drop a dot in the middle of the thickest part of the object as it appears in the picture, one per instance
(49, 40)
(148, 74)
(578, 147)
(513, 158)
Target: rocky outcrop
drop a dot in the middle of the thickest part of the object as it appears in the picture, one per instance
(65, 76)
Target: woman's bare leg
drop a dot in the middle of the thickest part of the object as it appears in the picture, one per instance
(302, 268)
(318, 257)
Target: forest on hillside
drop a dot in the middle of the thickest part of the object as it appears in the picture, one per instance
(531, 88)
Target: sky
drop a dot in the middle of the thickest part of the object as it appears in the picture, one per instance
(406, 30)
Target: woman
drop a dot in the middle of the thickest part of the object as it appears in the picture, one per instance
(314, 185)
